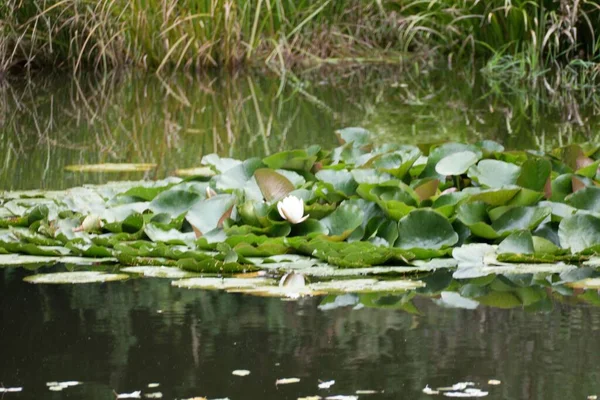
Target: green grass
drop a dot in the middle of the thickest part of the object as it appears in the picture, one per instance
(523, 37)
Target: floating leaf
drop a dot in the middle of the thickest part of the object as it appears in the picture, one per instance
(174, 202)
(494, 173)
(110, 167)
(343, 221)
(75, 277)
(456, 163)
(425, 229)
(520, 242)
(209, 214)
(579, 232)
(534, 174)
(198, 171)
(588, 198)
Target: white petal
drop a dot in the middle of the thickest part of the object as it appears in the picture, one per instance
(280, 206)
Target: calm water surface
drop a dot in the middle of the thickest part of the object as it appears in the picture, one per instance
(119, 337)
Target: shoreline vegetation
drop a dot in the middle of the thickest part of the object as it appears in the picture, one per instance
(533, 41)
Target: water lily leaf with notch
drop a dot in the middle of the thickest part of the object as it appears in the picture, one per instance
(358, 137)
(425, 229)
(343, 221)
(456, 163)
(174, 202)
(273, 185)
(579, 232)
(585, 199)
(534, 174)
(220, 164)
(475, 217)
(494, 173)
(446, 204)
(145, 193)
(238, 176)
(209, 214)
(437, 153)
(396, 163)
(340, 180)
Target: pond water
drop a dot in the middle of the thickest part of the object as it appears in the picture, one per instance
(120, 337)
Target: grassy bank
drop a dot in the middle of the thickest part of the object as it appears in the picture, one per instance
(509, 35)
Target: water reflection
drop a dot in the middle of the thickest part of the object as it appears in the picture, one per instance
(125, 335)
(50, 122)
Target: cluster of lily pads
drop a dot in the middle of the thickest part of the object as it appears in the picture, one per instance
(359, 208)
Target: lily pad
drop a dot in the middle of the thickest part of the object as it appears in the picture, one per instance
(456, 163)
(159, 272)
(425, 229)
(110, 167)
(75, 277)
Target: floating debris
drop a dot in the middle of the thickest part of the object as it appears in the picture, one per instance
(153, 385)
(470, 392)
(286, 381)
(457, 386)
(342, 397)
(310, 398)
(159, 272)
(428, 390)
(11, 389)
(494, 382)
(368, 391)
(59, 386)
(133, 395)
(155, 395)
(241, 372)
(326, 384)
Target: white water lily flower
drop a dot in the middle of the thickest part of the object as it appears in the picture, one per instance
(291, 209)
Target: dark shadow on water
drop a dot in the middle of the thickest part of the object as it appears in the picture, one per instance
(124, 335)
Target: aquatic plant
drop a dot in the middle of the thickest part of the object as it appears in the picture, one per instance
(365, 205)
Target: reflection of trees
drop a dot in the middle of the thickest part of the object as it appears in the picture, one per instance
(174, 121)
(114, 334)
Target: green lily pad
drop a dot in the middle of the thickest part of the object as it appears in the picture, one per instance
(343, 221)
(534, 174)
(585, 199)
(456, 163)
(494, 173)
(425, 229)
(579, 232)
(75, 277)
(209, 214)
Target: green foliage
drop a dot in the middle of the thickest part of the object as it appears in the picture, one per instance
(360, 214)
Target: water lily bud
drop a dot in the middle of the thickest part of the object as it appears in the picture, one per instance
(90, 223)
(291, 209)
